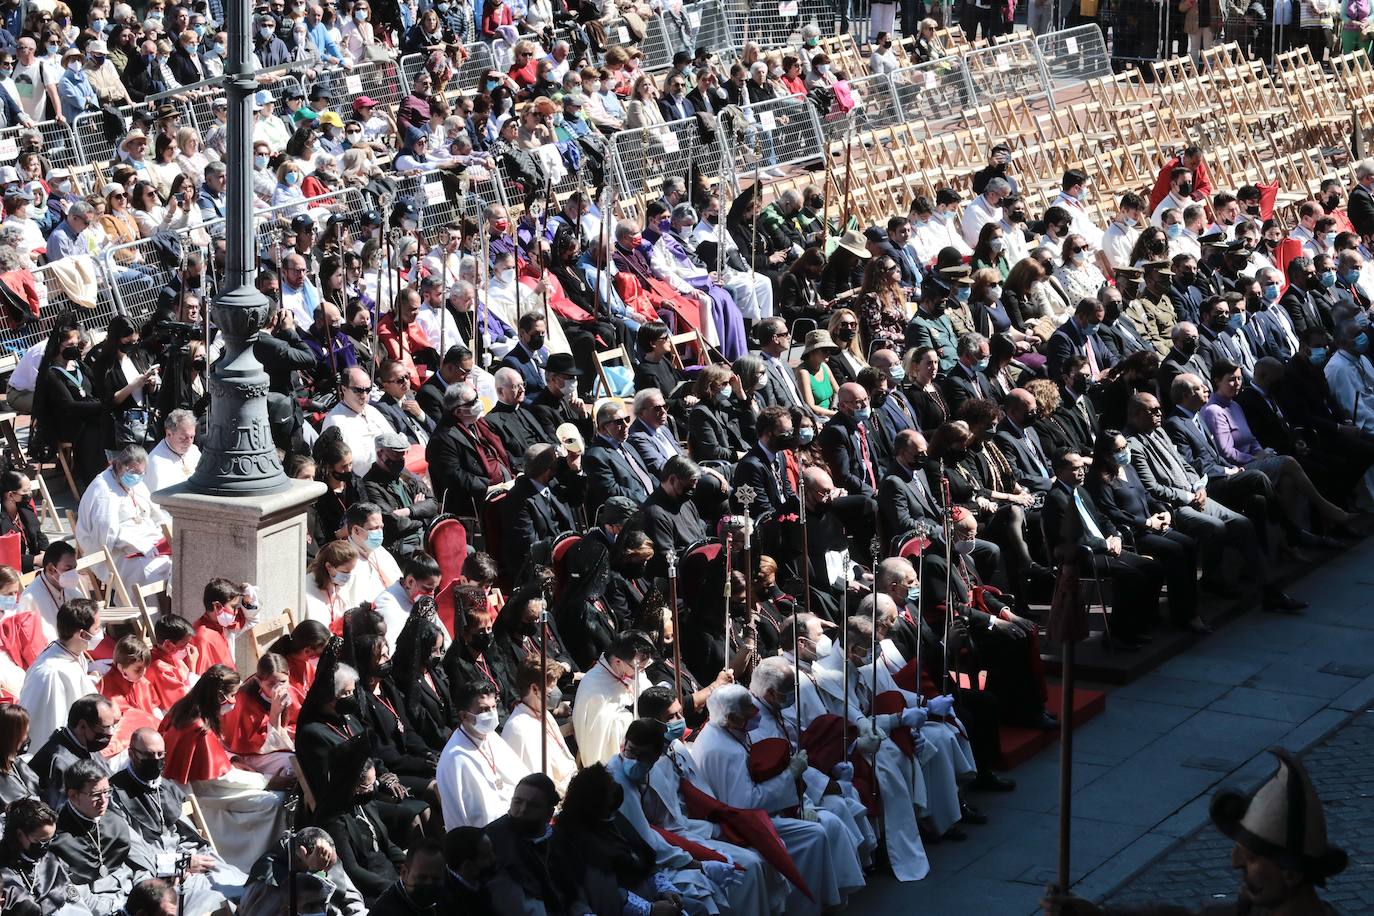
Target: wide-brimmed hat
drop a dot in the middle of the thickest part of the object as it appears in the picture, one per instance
(819, 339)
(1283, 820)
(855, 243)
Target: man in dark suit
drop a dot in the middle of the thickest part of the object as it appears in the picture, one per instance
(764, 467)
(966, 380)
(515, 423)
(1119, 333)
(611, 467)
(782, 385)
(669, 516)
(1214, 344)
(652, 435)
(1186, 290)
(845, 444)
(281, 351)
(466, 457)
(1076, 410)
(424, 880)
(529, 356)
(1182, 357)
(1021, 443)
(1303, 310)
(1071, 519)
(1360, 209)
(453, 368)
(708, 96)
(676, 104)
(403, 412)
(897, 248)
(534, 510)
(1079, 335)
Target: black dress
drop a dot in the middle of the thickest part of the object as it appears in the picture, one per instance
(73, 413)
(931, 408)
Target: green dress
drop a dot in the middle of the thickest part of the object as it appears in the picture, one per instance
(822, 386)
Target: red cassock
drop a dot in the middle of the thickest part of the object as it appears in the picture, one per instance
(401, 345)
(301, 672)
(645, 296)
(558, 299)
(209, 647)
(194, 752)
(170, 678)
(128, 695)
(21, 636)
(245, 727)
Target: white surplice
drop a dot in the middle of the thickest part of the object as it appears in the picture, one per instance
(243, 816)
(56, 681)
(376, 571)
(525, 737)
(638, 803)
(760, 889)
(476, 782)
(602, 711)
(822, 849)
(166, 467)
(950, 765)
(45, 598)
(129, 523)
(901, 784)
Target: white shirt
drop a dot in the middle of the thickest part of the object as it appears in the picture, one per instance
(978, 213)
(42, 597)
(476, 782)
(432, 320)
(1117, 243)
(602, 712)
(56, 681)
(360, 431)
(166, 467)
(394, 605)
(1081, 224)
(25, 375)
(1351, 377)
(1184, 244)
(1171, 201)
(375, 573)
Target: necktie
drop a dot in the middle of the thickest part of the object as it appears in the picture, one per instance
(1091, 355)
(864, 455)
(1036, 455)
(639, 472)
(1086, 516)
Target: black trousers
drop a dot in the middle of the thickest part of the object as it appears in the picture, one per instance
(1136, 581)
(1252, 495)
(1176, 553)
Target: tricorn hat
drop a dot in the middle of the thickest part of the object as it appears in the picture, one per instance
(1282, 820)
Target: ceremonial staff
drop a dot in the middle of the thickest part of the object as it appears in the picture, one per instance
(671, 558)
(1068, 625)
(844, 656)
(946, 518)
(544, 689)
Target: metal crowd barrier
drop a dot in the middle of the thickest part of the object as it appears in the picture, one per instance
(644, 156)
(1075, 55)
(783, 132)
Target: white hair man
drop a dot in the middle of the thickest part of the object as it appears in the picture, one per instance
(825, 854)
(174, 459)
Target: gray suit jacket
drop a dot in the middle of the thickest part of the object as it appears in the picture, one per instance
(1166, 476)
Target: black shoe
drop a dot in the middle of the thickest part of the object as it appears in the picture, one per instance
(1047, 722)
(1120, 644)
(989, 781)
(954, 835)
(1278, 600)
(969, 814)
(1198, 626)
(928, 835)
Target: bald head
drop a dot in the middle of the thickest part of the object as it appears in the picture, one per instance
(853, 397)
(819, 486)
(884, 359)
(909, 448)
(1019, 406)
(147, 741)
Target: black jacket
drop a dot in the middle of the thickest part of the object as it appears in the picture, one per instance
(1360, 209)
(840, 446)
(518, 428)
(611, 471)
(283, 354)
(528, 516)
(768, 479)
(403, 535)
(455, 469)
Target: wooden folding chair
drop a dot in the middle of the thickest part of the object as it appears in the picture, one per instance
(267, 632)
(47, 510)
(148, 611)
(111, 591)
(65, 461)
(691, 338)
(614, 355)
(190, 809)
(10, 438)
(307, 794)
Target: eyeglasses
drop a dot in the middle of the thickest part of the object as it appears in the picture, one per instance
(619, 421)
(357, 390)
(403, 380)
(657, 407)
(1081, 249)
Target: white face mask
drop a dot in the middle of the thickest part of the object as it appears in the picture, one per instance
(96, 636)
(69, 580)
(484, 723)
(226, 708)
(8, 603)
(226, 618)
(823, 646)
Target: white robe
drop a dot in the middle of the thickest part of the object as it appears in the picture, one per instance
(822, 849)
(760, 889)
(602, 711)
(952, 760)
(374, 574)
(901, 784)
(56, 681)
(394, 605)
(699, 893)
(166, 467)
(40, 596)
(753, 291)
(129, 523)
(475, 790)
(524, 736)
(500, 299)
(242, 815)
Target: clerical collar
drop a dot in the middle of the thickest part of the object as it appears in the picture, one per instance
(155, 785)
(93, 821)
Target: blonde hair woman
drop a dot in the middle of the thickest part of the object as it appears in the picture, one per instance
(844, 330)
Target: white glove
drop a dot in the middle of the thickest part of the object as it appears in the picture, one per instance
(843, 771)
(719, 873)
(809, 814)
(914, 717)
(868, 744)
(797, 765)
(941, 706)
(250, 596)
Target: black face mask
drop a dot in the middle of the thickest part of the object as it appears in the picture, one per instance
(98, 743)
(784, 441)
(878, 397)
(815, 202)
(128, 347)
(1331, 203)
(844, 335)
(37, 851)
(1079, 384)
(425, 895)
(536, 341)
(1185, 189)
(481, 641)
(347, 706)
(1188, 347)
(363, 798)
(383, 670)
(148, 769)
(70, 353)
(199, 363)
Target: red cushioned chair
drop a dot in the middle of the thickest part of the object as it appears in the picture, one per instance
(448, 544)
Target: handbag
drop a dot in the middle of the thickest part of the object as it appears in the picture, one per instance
(131, 427)
(377, 53)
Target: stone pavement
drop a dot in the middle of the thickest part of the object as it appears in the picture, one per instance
(1145, 770)
(1342, 769)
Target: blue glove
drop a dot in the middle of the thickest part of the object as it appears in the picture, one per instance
(941, 706)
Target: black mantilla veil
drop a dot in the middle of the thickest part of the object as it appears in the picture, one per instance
(415, 644)
(346, 764)
(321, 692)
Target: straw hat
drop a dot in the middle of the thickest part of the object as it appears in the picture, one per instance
(819, 339)
(855, 243)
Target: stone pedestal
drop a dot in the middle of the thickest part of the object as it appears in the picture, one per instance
(257, 539)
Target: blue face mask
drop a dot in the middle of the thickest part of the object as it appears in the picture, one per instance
(1330, 239)
(1093, 329)
(863, 413)
(1328, 278)
(1235, 321)
(374, 539)
(896, 373)
(754, 721)
(962, 293)
(1319, 355)
(131, 480)
(1350, 277)
(982, 365)
(1175, 230)
(1271, 292)
(1362, 343)
(1122, 458)
(259, 162)
(292, 177)
(805, 435)
(676, 729)
(636, 771)
(913, 594)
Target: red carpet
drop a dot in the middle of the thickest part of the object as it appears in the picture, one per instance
(1021, 744)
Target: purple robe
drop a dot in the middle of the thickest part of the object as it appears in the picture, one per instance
(724, 313)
